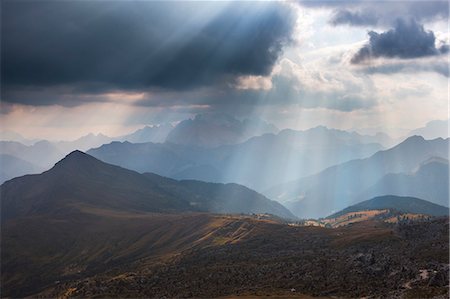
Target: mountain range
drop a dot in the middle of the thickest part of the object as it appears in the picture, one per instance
(80, 181)
(44, 154)
(259, 162)
(215, 129)
(41, 155)
(342, 185)
(433, 129)
(430, 180)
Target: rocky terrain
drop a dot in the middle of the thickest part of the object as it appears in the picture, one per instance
(246, 257)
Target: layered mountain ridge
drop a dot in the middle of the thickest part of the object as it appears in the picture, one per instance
(80, 179)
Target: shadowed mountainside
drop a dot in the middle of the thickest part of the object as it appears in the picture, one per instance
(82, 179)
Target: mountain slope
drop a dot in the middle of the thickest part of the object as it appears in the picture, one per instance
(339, 186)
(398, 203)
(429, 181)
(80, 180)
(220, 198)
(125, 255)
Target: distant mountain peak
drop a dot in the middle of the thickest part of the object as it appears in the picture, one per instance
(75, 153)
(75, 158)
(415, 139)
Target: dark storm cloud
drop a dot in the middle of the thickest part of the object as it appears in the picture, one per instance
(372, 12)
(407, 40)
(97, 46)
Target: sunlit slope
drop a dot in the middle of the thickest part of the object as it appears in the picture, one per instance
(39, 250)
(342, 185)
(241, 256)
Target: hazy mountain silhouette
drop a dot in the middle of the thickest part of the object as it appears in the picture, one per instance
(429, 181)
(339, 186)
(398, 203)
(156, 134)
(215, 129)
(7, 135)
(258, 163)
(43, 153)
(432, 130)
(11, 167)
(83, 143)
(161, 158)
(80, 180)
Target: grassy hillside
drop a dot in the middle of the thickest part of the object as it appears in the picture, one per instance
(82, 179)
(398, 203)
(224, 256)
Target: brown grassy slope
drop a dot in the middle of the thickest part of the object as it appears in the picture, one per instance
(245, 257)
(37, 251)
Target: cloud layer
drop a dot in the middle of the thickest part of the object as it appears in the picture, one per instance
(97, 46)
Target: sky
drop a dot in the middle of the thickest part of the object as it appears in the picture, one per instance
(74, 67)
